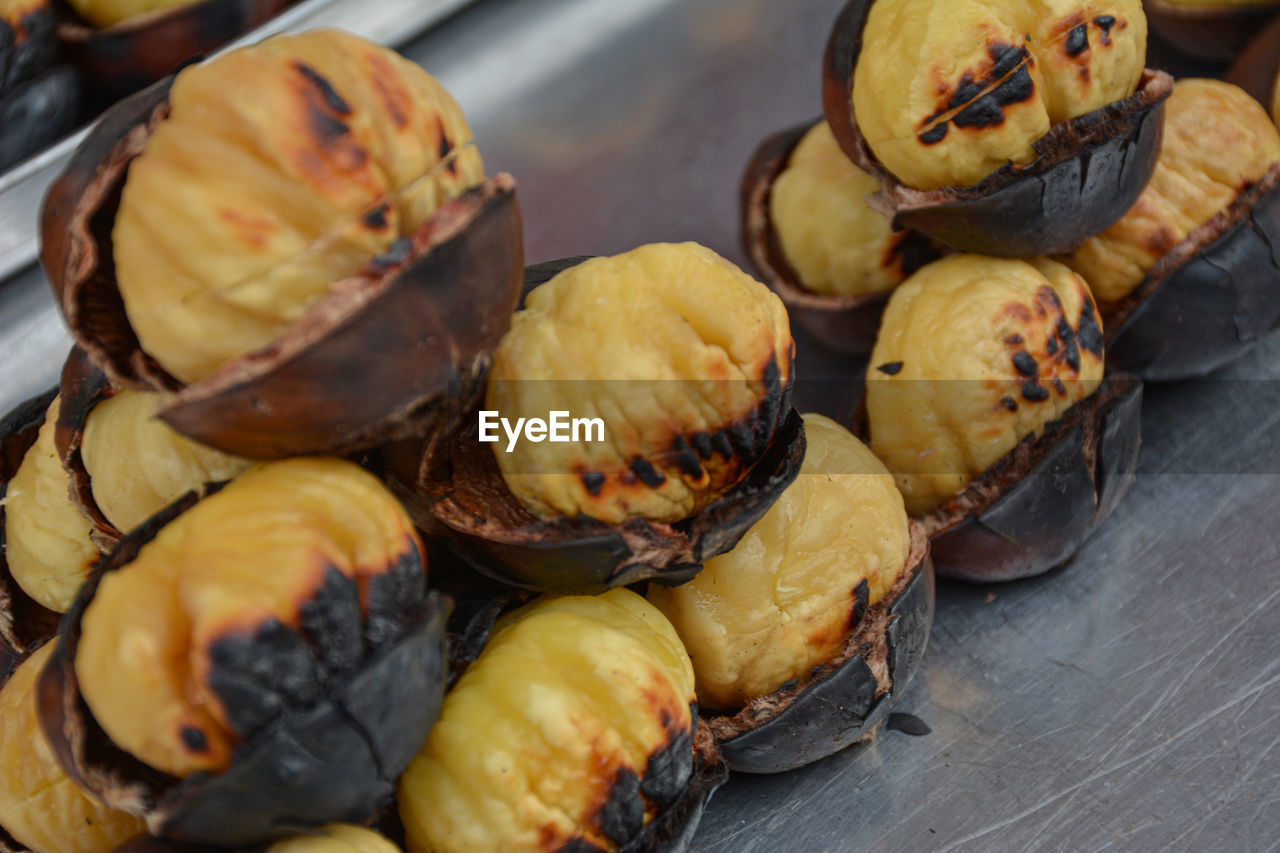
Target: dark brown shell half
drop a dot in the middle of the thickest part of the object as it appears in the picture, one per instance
(1035, 507)
(23, 622)
(842, 701)
(1257, 66)
(1088, 171)
(336, 760)
(135, 53)
(1210, 298)
(390, 352)
(28, 44)
(38, 112)
(846, 323)
(1209, 32)
(83, 386)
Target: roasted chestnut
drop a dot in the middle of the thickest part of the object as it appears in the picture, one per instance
(1213, 30)
(812, 237)
(984, 399)
(682, 366)
(575, 729)
(333, 838)
(1187, 279)
(997, 127)
(217, 699)
(308, 270)
(804, 634)
(41, 809)
(122, 46)
(39, 101)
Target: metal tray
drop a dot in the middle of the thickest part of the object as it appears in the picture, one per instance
(389, 22)
(1129, 701)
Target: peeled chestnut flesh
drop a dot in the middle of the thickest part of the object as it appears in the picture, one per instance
(1072, 181)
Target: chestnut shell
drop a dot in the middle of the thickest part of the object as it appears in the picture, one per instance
(28, 46)
(381, 356)
(38, 112)
(1213, 33)
(83, 386)
(840, 702)
(135, 53)
(23, 622)
(283, 777)
(1256, 68)
(844, 323)
(1210, 298)
(1087, 173)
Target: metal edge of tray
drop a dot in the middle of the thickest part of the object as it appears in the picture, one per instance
(387, 22)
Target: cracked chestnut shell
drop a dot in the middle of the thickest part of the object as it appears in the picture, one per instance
(335, 671)
(575, 728)
(1212, 30)
(460, 495)
(133, 53)
(39, 100)
(1085, 174)
(380, 356)
(842, 322)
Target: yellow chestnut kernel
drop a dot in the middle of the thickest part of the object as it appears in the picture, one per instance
(137, 465)
(570, 698)
(833, 240)
(1218, 141)
(336, 838)
(40, 807)
(47, 537)
(780, 602)
(973, 355)
(241, 213)
(108, 13)
(668, 345)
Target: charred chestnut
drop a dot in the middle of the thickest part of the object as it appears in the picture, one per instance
(685, 379)
(38, 100)
(814, 240)
(1214, 30)
(28, 44)
(984, 399)
(44, 810)
(576, 728)
(805, 633)
(1187, 280)
(217, 699)
(322, 289)
(122, 46)
(997, 127)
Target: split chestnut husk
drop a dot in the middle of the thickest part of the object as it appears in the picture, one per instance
(82, 387)
(23, 621)
(1033, 509)
(135, 53)
(361, 730)
(1210, 298)
(379, 357)
(842, 701)
(1209, 32)
(465, 501)
(1087, 173)
(845, 323)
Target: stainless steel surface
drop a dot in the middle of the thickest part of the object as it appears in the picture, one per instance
(391, 22)
(1130, 701)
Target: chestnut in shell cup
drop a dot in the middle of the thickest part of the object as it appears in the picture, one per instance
(129, 54)
(1072, 177)
(1212, 30)
(342, 683)
(597, 538)
(391, 349)
(844, 322)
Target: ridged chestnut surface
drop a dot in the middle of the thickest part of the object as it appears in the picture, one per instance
(1088, 171)
(382, 354)
(845, 323)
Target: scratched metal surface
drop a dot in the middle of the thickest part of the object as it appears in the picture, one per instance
(1128, 702)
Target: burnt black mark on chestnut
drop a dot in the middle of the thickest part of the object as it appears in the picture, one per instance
(935, 134)
(194, 739)
(979, 102)
(669, 768)
(1013, 340)
(891, 368)
(861, 601)
(1009, 403)
(258, 675)
(1051, 345)
(397, 253)
(327, 128)
(622, 815)
(650, 476)
(592, 481)
(702, 444)
(1105, 23)
(684, 458)
(908, 724)
(1034, 392)
(331, 621)
(1059, 387)
(376, 218)
(1025, 364)
(395, 598)
(330, 95)
(1077, 40)
(1090, 333)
